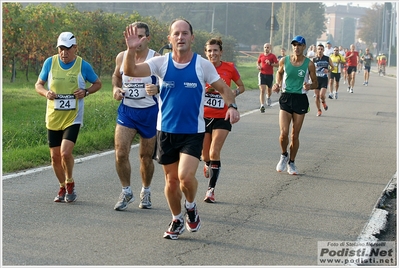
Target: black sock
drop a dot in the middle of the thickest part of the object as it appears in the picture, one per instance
(285, 154)
(214, 173)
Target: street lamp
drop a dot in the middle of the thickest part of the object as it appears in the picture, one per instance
(342, 32)
(375, 48)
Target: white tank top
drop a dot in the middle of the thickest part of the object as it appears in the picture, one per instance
(134, 87)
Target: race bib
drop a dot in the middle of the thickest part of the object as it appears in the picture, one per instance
(65, 102)
(134, 90)
(214, 100)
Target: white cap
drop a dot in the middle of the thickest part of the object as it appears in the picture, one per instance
(66, 39)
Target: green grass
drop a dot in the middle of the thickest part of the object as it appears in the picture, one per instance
(24, 132)
(249, 74)
(25, 135)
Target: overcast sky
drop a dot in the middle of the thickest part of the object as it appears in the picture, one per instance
(354, 3)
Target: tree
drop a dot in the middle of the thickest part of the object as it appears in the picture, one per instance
(370, 31)
(13, 22)
(305, 19)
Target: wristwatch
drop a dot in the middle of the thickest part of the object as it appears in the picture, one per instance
(87, 93)
(232, 105)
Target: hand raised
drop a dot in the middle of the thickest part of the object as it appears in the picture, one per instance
(133, 40)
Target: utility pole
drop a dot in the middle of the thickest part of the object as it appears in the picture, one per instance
(282, 36)
(272, 25)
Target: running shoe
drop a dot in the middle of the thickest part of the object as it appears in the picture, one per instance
(145, 200)
(318, 113)
(193, 222)
(351, 90)
(70, 195)
(325, 106)
(330, 96)
(61, 195)
(206, 171)
(367, 83)
(291, 169)
(364, 83)
(282, 164)
(124, 200)
(262, 109)
(336, 95)
(269, 102)
(210, 195)
(176, 228)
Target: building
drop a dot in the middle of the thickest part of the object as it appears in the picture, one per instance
(343, 24)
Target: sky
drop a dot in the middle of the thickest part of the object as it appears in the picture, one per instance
(354, 3)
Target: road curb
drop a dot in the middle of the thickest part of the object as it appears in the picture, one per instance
(379, 216)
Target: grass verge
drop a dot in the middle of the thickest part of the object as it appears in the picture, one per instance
(24, 133)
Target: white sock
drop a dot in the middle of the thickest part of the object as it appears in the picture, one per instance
(127, 190)
(145, 189)
(189, 205)
(178, 217)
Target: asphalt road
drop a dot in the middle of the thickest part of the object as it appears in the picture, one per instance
(261, 218)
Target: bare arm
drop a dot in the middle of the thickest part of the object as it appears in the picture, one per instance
(96, 86)
(39, 86)
(240, 87)
(228, 97)
(331, 63)
(279, 76)
(117, 91)
(313, 77)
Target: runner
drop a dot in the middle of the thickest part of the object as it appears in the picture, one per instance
(266, 61)
(352, 58)
(335, 75)
(293, 76)
(217, 128)
(367, 58)
(322, 63)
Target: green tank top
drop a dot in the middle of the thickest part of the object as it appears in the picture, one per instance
(295, 76)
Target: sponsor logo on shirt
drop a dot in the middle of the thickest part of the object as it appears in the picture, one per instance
(190, 85)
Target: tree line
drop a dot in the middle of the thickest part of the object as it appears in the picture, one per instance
(30, 36)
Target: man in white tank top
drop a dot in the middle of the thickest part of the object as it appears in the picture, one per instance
(137, 114)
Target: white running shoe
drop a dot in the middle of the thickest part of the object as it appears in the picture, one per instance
(291, 169)
(351, 90)
(282, 164)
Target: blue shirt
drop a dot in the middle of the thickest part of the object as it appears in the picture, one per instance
(86, 71)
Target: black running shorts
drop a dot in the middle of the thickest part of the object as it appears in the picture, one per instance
(265, 79)
(335, 76)
(170, 146)
(322, 82)
(216, 123)
(294, 103)
(55, 137)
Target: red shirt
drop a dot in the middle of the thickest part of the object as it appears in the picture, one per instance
(214, 103)
(265, 63)
(352, 60)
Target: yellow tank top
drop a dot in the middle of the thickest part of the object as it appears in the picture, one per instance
(65, 110)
